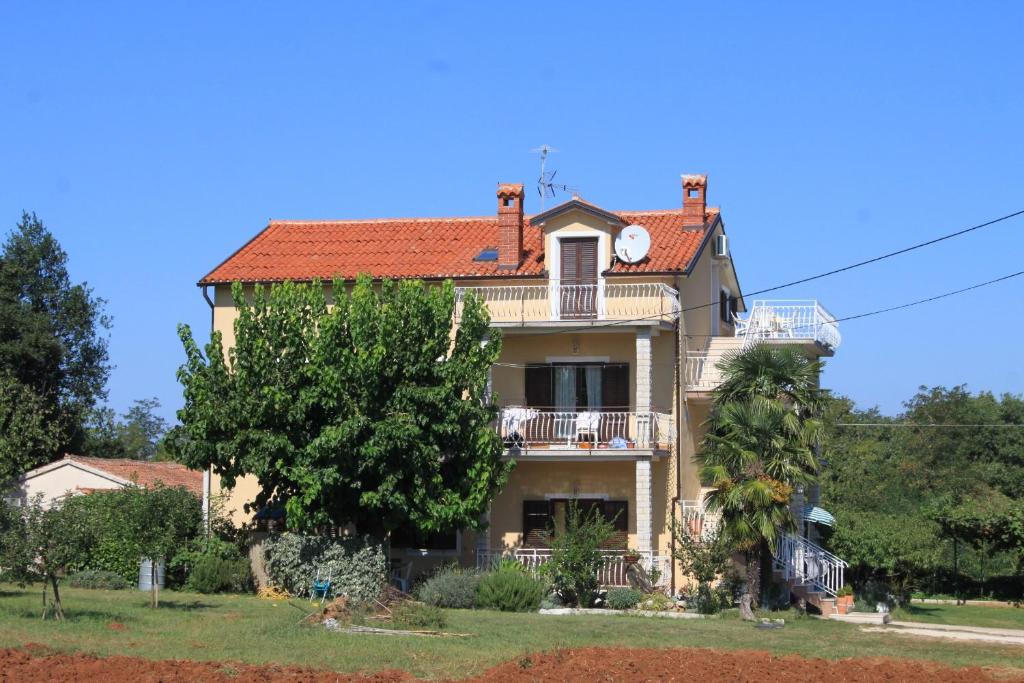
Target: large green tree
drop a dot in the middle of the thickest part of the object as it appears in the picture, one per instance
(370, 411)
(760, 446)
(52, 340)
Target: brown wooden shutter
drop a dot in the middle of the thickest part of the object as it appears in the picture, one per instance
(617, 512)
(570, 261)
(537, 523)
(587, 273)
(539, 379)
(615, 386)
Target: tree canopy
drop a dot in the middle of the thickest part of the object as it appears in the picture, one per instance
(760, 447)
(369, 411)
(53, 352)
(903, 494)
(137, 434)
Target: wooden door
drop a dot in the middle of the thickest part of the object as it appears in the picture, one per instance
(578, 295)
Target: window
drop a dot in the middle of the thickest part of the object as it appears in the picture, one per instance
(438, 542)
(578, 278)
(578, 386)
(544, 518)
(726, 306)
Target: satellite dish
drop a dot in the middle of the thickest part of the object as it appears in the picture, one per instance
(632, 243)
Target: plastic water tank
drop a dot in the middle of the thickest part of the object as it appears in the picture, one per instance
(145, 574)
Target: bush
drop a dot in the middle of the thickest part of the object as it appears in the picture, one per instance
(655, 602)
(509, 591)
(213, 574)
(416, 615)
(623, 598)
(450, 587)
(576, 555)
(357, 567)
(98, 578)
(212, 565)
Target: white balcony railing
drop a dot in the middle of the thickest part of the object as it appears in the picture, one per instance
(526, 428)
(558, 301)
(799, 320)
(613, 573)
(698, 521)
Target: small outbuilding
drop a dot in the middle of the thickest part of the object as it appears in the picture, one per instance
(77, 474)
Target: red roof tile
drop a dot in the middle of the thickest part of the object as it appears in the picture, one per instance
(146, 473)
(426, 248)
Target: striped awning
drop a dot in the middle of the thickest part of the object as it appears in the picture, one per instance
(813, 513)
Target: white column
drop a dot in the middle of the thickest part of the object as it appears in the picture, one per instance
(644, 494)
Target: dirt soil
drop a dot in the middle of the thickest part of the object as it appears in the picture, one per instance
(36, 663)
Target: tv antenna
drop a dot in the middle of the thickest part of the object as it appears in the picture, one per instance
(546, 185)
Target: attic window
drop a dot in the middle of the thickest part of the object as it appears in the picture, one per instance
(488, 254)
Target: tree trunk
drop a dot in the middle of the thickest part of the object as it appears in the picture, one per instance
(754, 576)
(46, 605)
(58, 608)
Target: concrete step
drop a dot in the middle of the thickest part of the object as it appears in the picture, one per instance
(862, 617)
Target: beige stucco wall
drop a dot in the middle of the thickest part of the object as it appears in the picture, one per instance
(58, 483)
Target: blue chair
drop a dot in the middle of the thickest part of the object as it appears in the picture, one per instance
(321, 588)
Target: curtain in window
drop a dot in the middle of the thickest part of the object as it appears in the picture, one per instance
(565, 401)
(593, 375)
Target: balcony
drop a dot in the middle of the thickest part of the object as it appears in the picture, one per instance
(607, 433)
(783, 322)
(796, 320)
(577, 304)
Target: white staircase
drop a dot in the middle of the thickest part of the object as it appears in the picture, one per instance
(811, 571)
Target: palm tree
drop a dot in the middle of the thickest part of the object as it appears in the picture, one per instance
(760, 446)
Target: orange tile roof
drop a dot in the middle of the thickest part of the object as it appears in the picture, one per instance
(426, 248)
(146, 473)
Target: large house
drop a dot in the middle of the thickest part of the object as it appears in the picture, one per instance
(613, 322)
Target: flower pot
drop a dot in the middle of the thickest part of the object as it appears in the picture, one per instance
(630, 558)
(584, 444)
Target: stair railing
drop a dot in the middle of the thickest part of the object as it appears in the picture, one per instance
(806, 563)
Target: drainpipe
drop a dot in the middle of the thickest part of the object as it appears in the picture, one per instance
(208, 472)
(680, 389)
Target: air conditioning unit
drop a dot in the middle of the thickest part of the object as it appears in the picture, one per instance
(721, 246)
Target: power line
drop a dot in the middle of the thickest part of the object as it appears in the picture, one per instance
(835, 271)
(876, 259)
(931, 298)
(912, 425)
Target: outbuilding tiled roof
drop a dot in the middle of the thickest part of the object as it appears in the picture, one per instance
(146, 473)
(427, 248)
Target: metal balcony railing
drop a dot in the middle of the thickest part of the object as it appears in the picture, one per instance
(571, 301)
(612, 573)
(799, 320)
(526, 428)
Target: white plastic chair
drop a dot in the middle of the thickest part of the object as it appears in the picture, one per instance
(588, 424)
(400, 575)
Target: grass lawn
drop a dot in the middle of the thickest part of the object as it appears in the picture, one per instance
(963, 615)
(247, 629)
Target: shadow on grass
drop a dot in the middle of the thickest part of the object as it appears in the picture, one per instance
(74, 615)
(186, 605)
(918, 611)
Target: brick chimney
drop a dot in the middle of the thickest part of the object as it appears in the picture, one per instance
(510, 225)
(695, 189)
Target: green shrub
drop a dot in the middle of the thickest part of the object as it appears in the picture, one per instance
(624, 598)
(509, 591)
(111, 517)
(450, 587)
(417, 615)
(98, 578)
(212, 565)
(357, 566)
(576, 555)
(213, 574)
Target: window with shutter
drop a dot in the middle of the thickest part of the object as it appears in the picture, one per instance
(615, 386)
(579, 277)
(537, 523)
(617, 512)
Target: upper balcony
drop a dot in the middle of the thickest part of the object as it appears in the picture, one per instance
(804, 323)
(551, 434)
(790, 320)
(573, 304)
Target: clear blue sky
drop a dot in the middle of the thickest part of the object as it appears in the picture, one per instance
(153, 141)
